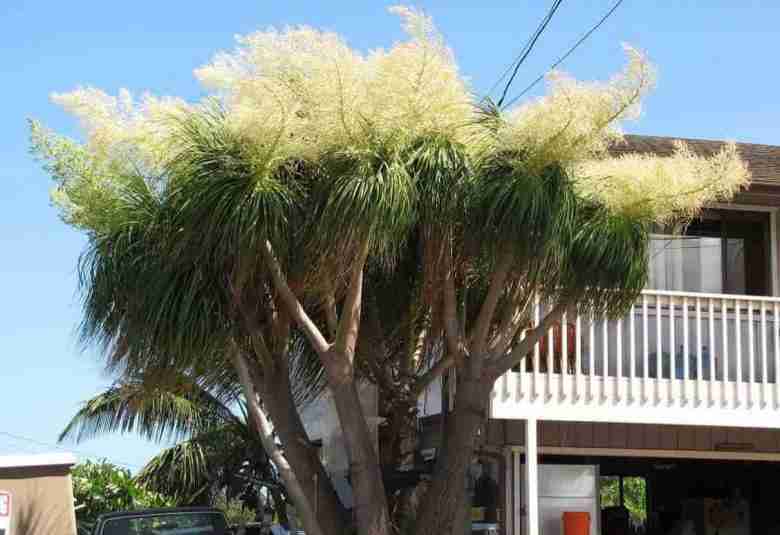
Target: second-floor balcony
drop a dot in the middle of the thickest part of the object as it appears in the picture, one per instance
(677, 358)
(702, 346)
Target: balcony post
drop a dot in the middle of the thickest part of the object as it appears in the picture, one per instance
(531, 478)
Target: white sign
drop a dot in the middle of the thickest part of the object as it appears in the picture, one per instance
(5, 513)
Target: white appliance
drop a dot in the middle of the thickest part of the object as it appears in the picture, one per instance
(565, 487)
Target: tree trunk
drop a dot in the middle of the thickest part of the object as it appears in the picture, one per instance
(444, 508)
(293, 485)
(280, 506)
(301, 454)
(370, 508)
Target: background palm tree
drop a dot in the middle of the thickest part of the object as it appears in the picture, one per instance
(214, 449)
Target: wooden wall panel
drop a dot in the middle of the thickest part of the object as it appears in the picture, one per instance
(634, 436)
(583, 434)
(550, 434)
(668, 437)
(686, 438)
(600, 435)
(618, 435)
(703, 438)
(652, 437)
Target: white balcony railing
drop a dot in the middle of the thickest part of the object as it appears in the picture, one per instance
(677, 358)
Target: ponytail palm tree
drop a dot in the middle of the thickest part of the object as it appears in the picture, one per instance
(370, 204)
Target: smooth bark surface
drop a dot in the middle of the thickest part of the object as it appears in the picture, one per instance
(370, 507)
(444, 506)
(291, 482)
(301, 455)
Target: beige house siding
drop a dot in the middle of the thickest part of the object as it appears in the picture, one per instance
(41, 499)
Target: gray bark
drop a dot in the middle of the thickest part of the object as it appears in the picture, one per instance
(370, 508)
(294, 488)
(444, 507)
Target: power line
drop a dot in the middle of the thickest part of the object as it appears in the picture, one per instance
(56, 446)
(567, 54)
(525, 51)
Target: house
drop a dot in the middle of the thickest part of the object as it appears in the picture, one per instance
(668, 417)
(36, 495)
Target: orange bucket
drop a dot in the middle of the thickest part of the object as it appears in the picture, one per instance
(576, 523)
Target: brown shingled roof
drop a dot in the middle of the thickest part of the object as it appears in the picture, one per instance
(763, 160)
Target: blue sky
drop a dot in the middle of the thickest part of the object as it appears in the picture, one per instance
(718, 79)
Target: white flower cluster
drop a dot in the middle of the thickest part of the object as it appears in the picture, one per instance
(300, 92)
(323, 94)
(577, 121)
(662, 189)
(121, 130)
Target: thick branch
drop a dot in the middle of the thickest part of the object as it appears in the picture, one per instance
(331, 316)
(510, 323)
(294, 307)
(426, 379)
(265, 430)
(481, 328)
(452, 331)
(503, 364)
(349, 324)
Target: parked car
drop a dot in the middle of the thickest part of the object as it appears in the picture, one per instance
(169, 521)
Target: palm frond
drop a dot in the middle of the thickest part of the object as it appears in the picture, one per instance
(189, 468)
(159, 411)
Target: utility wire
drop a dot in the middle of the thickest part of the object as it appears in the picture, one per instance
(62, 448)
(525, 50)
(568, 53)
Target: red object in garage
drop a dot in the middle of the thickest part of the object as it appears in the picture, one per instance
(576, 523)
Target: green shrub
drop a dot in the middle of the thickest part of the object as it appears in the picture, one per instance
(101, 487)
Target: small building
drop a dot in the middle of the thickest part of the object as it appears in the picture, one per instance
(36, 495)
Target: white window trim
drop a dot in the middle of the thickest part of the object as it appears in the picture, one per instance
(773, 236)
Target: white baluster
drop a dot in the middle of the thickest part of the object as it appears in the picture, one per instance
(751, 355)
(686, 350)
(645, 349)
(550, 365)
(776, 314)
(619, 358)
(738, 319)
(577, 355)
(605, 357)
(698, 352)
(659, 368)
(672, 351)
(725, 328)
(535, 373)
(519, 387)
(591, 355)
(712, 354)
(764, 367)
(632, 358)
(564, 355)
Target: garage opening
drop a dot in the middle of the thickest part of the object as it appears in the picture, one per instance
(683, 496)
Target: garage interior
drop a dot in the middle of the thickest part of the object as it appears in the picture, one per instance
(671, 496)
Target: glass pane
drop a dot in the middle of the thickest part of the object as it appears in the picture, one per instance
(191, 523)
(735, 265)
(686, 263)
(610, 491)
(635, 498)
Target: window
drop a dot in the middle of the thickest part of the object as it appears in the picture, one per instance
(624, 499)
(721, 252)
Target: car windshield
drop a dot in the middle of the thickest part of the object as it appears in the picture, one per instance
(192, 523)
